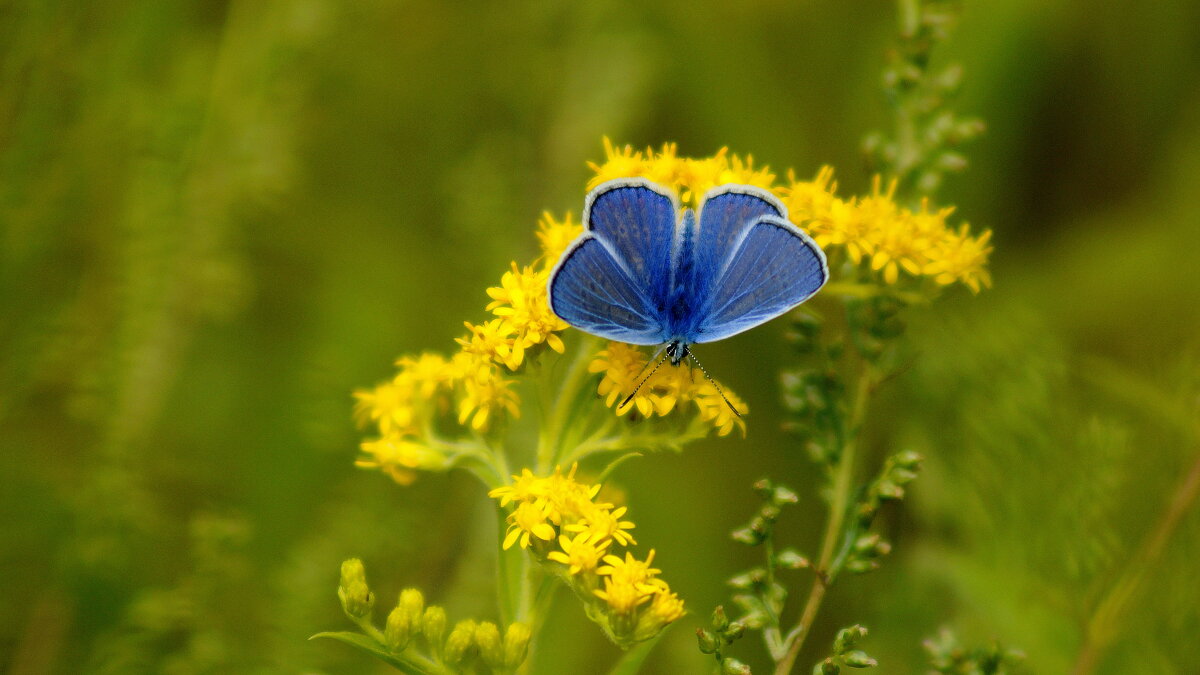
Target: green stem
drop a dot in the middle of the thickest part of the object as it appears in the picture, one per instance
(1106, 618)
(631, 662)
(510, 570)
(550, 440)
(842, 488)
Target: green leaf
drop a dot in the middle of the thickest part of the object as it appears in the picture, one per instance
(631, 661)
(373, 647)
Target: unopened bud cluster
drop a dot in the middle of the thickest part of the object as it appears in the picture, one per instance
(922, 157)
(947, 656)
(845, 653)
(418, 633)
(720, 634)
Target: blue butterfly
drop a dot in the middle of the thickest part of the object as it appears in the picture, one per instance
(644, 274)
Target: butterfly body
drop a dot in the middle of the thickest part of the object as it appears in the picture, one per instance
(647, 272)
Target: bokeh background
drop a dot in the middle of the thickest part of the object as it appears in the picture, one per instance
(220, 218)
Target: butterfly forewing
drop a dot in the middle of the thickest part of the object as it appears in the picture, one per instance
(591, 291)
(775, 268)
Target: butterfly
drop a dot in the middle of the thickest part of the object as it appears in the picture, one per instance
(646, 272)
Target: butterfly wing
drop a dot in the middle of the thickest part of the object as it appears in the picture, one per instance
(774, 267)
(636, 219)
(613, 280)
(726, 213)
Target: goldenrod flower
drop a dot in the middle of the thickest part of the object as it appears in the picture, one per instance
(520, 299)
(632, 603)
(426, 374)
(390, 405)
(528, 519)
(622, 597)
(525, 487)
(874, 227)
(665, 608)
(603, 523)
(494, 340)
(716, 412)
(630, 570)
(555, 236)
(691, 178)
(623, 366)
(485, 392)
(580, 554)
(398, 457)
(890, 237)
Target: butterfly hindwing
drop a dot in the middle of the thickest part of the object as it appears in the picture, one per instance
(592, 291)
(775, 267)
(636, 219)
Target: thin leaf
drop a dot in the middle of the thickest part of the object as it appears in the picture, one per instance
(373, 647)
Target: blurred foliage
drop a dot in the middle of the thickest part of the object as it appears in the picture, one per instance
(219, 218)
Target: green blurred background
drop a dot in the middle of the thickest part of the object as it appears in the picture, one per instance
(220, 218)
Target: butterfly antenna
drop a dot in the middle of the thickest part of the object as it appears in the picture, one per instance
(644, 379)
(714, 383)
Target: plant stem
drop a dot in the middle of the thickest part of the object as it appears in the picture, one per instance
(550, 440)
(1103, 626)
(842, 487)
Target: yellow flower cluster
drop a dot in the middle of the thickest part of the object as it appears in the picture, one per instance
(892, 238)
(472, 383)
(668, 388)
(691, 178)
(559, 519)
(873, 228)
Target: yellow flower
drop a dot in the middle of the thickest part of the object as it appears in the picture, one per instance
(581, 554)
(398, 457)
(564, 499)
(665, 608)
(893, 239)
(528, 519)
(493, 340)
(630, 570)
(691, 178)
(521, 301)
(485, 392)
(426, 373)
(623, 367)
(603, 523)
(389, 404)
(716, 412)
(960, 257)
(623, 598)
(555, 236)
(525, 488)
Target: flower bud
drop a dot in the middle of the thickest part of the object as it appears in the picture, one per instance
(783, 495)
(789, 559)
(433, 627)
(735, 631)
(357, 599)
(719, 620)
(487, 639)
(398, 631)
(847, 638)
(460, 646)
(708, 642)
(516, 644)
(734, 667)
(412, 603)
(826, 667)
(859, 659)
